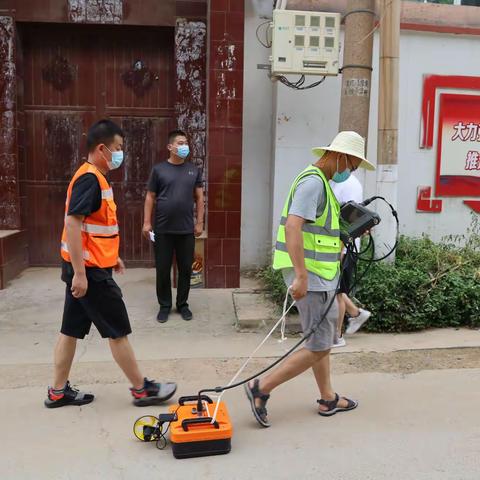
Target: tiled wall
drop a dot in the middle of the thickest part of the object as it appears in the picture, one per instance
(224, 136)
(9, 194)
(225, 143)
(13, 255)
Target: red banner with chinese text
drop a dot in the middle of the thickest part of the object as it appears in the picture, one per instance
(458, 153)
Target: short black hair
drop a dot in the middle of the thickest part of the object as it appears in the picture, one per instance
(174, 134)
(102, 132)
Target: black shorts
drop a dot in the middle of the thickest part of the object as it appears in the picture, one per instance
(102, 305)
(348, 269)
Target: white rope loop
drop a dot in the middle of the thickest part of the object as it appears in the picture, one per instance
(284, 316)
(282, 321)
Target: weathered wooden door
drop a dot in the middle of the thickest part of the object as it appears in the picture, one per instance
(73, 76)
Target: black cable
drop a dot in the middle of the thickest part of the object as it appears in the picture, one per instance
(367, 268)
(162, 439)
(300, 81)
(352, 65)
(360, 10)
(371, 245)
(395, 215)
(266, 45)
(367, 248)
(298, 85)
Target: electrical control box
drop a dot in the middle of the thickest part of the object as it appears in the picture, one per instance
(306, 43)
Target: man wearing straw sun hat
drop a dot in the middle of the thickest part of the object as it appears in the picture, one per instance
(308, 253)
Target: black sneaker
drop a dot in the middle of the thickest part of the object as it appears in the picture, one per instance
(186, 313)
(67, 396)
(153, 393)
(162, 315)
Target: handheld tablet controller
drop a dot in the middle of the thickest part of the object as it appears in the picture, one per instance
(355, 220)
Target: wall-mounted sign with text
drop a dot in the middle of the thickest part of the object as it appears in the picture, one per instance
(458, 152)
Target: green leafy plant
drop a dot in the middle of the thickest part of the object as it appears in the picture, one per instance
(273, 280)
(429, 285)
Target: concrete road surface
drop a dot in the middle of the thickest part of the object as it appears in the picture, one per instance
(420, 426)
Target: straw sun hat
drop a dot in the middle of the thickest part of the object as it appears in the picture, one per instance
(350, 143)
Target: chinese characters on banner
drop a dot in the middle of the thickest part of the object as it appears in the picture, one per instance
(458, 153)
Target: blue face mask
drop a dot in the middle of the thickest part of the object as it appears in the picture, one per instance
(116, 161)
(340, 177)
(183, 151)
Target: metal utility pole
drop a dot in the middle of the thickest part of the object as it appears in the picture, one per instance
(357, 66)
(387, 146)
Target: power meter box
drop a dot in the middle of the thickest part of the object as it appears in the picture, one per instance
(307, 43)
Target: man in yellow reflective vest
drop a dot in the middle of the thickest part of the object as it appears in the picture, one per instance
(308, 251)
(89, 250)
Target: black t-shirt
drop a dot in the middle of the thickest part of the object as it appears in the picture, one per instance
(174, 187)
(86, 196)
(86, 199)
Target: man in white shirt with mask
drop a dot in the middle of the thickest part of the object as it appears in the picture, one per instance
(349, 190)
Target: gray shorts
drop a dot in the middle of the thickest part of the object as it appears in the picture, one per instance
(311, 309)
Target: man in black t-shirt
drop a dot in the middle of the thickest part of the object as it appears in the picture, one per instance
(173, 187)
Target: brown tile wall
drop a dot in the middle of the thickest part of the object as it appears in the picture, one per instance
(9, 179)
(13, 256)
(224, 136)
(225, 102)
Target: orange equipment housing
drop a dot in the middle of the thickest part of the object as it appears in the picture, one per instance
(193, 434)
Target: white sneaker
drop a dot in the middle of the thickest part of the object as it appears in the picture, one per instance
(356, 323)
(339, 342)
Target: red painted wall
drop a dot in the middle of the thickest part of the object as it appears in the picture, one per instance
(225, 102)
(218, 150)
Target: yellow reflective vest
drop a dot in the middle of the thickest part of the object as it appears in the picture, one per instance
(321, 239)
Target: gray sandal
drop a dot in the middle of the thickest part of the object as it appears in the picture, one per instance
(260, 413)
(332, 407)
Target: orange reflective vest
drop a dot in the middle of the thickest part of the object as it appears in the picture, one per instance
(100, 239)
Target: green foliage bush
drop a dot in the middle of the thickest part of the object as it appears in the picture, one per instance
(429, 285)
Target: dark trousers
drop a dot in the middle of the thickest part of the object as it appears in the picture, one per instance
(183, 246)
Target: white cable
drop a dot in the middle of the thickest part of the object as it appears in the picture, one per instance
(240, 370)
